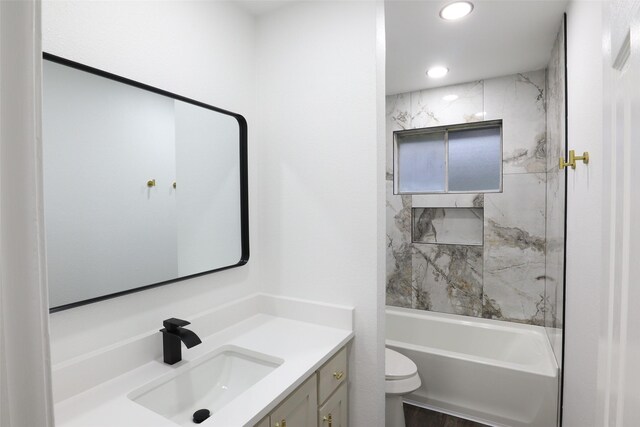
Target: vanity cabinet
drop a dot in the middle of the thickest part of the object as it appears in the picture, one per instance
(321, 401)
(332, 391)
(331, 375)
(299, 408)
(334, 411)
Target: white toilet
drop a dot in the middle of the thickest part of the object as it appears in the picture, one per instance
(401, 377)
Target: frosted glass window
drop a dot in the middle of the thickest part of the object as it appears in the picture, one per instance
(475, 156)
(464, 158)
(422, 160)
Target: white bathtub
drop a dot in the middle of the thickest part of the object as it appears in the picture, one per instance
(498, 373)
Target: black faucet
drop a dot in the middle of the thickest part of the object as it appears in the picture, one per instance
(173, 334)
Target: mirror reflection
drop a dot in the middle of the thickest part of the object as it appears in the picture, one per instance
(140, 188)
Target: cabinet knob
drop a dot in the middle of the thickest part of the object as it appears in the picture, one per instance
(151, 183)
(338, 375)
(329, 419)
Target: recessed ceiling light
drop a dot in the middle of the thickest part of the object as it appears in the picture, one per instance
(437, 72)
(450, 97)
(456, 10)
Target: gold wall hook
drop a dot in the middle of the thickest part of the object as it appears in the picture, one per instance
(151, 183)
(584, 158)
(573, 158)
(563, 164)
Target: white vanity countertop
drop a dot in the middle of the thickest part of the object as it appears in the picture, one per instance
(303, 346)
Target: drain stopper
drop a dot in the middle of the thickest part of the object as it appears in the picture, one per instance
(200, 415)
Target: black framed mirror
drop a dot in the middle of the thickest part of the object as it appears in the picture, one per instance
(142, 187)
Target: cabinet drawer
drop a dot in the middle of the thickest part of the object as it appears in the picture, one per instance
(334, 412)
(332, 375)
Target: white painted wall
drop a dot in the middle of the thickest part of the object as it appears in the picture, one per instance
(321, 146)
(202, 50)
(583, 320)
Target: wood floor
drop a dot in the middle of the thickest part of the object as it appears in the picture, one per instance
(420, 417)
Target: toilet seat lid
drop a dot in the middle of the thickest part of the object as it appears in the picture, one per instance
(398, 366)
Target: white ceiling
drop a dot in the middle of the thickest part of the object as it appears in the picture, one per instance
(498, 38)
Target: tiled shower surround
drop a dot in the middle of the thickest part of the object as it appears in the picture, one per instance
(503, 274)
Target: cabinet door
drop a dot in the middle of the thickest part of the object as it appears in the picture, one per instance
(299, 409)
(334, 412)
(263, 422)
(332, 374)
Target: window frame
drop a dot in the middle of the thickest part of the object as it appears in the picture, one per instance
(445, 129)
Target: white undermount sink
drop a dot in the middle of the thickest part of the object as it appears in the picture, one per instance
(206, 383)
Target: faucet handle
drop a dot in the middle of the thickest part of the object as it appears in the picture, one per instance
(173, 324)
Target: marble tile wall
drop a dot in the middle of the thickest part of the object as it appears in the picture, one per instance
(514, 250)
(503, 278)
